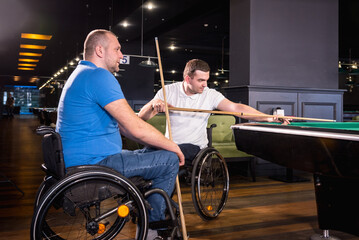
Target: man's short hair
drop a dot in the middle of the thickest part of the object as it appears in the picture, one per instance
(193, 65)
(93, 39)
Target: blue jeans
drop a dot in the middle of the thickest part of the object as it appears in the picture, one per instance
(160, 166)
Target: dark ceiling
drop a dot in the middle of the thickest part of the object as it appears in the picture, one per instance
(178, 22)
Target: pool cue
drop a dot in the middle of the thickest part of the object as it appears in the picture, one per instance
(179, 195)
(241, 114)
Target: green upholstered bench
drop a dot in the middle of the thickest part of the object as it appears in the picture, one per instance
(223, 141)
(222, 138)
(159, 122)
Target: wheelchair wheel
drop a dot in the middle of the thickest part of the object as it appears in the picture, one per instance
(84, 205)
(44, 186)
(210, 183)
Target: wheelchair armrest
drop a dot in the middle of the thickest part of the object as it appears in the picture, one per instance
(209, 134)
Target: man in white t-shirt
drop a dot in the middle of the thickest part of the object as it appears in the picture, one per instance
(189, 128)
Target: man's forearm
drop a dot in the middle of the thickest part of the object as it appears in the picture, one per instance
(146, 112)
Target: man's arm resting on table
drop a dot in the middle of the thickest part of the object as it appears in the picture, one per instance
(138, 130)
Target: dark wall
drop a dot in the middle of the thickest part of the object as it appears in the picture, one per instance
(284, 43)
(351, 96)
(239, 44)
(137, 81)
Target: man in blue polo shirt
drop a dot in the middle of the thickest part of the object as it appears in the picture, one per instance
(93, 111)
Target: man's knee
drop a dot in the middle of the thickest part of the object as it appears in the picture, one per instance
(173, 162)
(189, 150)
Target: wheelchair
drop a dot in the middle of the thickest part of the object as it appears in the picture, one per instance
(93, 202)
(207, 175)
(209, 180)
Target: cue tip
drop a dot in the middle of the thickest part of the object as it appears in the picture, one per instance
(156, 38)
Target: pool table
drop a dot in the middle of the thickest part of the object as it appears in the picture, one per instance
(328, 150)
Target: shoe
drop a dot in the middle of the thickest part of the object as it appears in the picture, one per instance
(152, 235)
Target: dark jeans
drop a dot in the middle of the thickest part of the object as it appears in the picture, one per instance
(189, 151)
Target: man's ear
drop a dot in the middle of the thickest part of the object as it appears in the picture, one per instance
(99, 51)
(187, 78)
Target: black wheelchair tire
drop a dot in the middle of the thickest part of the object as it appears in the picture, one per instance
(42, 189)
(39, 226)
(196, 184)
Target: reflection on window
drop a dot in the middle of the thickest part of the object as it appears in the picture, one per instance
(25, 97)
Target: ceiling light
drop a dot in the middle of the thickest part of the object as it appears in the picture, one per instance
(28, 60)
(33, 79)
(173, 71)
(25, 68)
(205, 25)
(125, 24)
(29, 46)
(150, 6)
(30, 54)
(148, 63)
(172, 47)
(350, 81)
(26, 65)
(36, 36)
(116, 74)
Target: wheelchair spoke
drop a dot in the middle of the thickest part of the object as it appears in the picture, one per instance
(88, 210)
(211, 188)
(75, 226)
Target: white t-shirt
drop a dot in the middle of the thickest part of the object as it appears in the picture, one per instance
(190, 127)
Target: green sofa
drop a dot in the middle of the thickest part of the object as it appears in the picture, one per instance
(159, 122)
(222, 138)
(223, 141)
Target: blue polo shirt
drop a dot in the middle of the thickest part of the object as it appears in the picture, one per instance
(89, 133)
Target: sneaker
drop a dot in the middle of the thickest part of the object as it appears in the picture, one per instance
(152, 235)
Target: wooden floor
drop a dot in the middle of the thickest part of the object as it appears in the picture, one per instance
(265, 209)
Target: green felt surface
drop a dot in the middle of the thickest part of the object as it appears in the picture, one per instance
(333, 125)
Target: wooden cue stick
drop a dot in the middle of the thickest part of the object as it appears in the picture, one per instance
(179, 195)
(239, 114)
